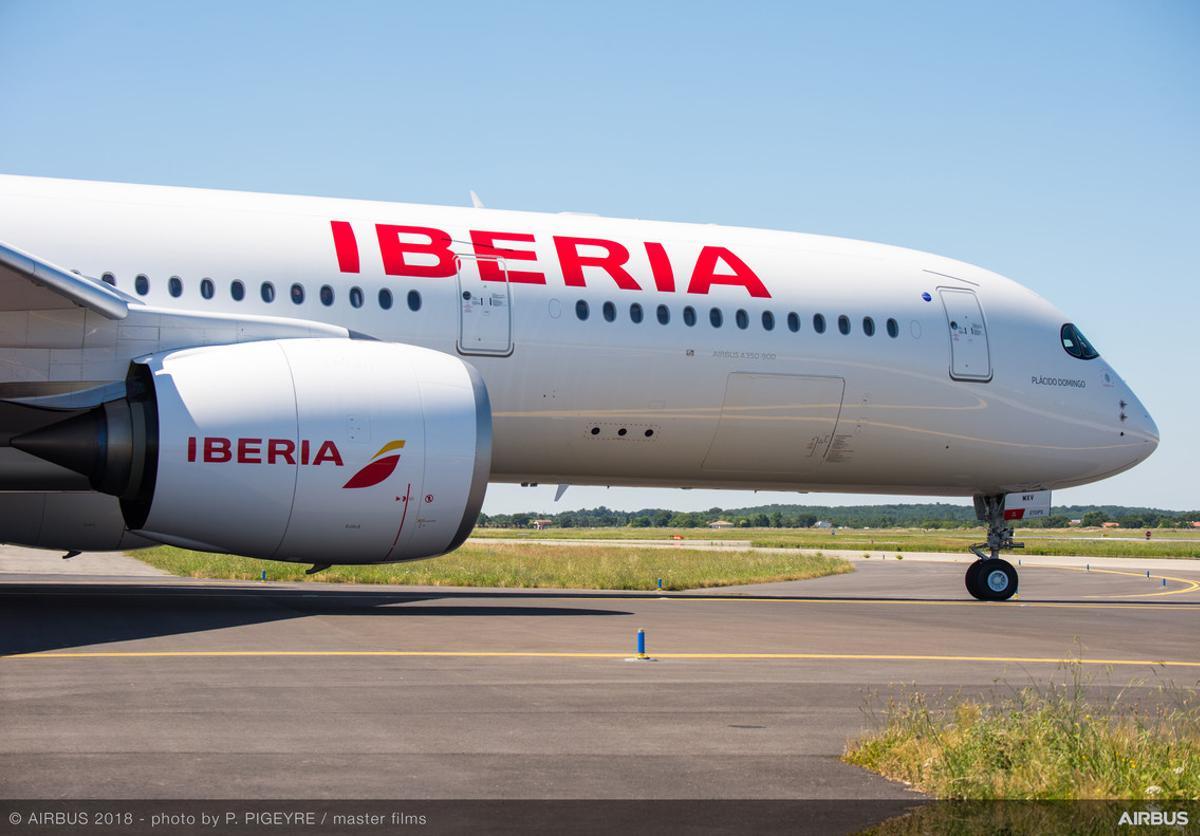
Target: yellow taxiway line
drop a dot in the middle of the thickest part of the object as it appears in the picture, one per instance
(551, 654)
(547, 594)
(1189, 584)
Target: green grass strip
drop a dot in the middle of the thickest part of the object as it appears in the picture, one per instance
(526, 566)
(1045, 742)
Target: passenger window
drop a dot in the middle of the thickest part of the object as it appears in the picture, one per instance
(715, 317)
(689, 316)
(609, 311)
(742, 318)
(868, 326)
(175, 286)
(268, 292)
(141, 284)
(581, 309)
(414, 301)
(819, 323)
(298, 294)
(844, 324)
(385, 299)
(109, 278)
(893, 328)
(793, 322)
(207, 288)
(1076, 344)
(326, 295)
(237, 290)
(635, 312)
(664, 314)
(356, 297)
(768, 320)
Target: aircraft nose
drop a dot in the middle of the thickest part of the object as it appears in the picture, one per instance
(1139, 424)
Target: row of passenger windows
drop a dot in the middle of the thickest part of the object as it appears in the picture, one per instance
(716, 318)
(237, 291)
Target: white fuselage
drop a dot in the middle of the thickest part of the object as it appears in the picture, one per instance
(974, 393)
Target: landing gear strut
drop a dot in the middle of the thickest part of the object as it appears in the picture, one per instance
(991, 578)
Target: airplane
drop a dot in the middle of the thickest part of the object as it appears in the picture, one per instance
(336, 381)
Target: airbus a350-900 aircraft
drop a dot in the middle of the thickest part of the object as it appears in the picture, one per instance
(336, 381)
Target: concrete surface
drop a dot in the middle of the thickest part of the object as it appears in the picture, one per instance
(15, 560)
(171, 688)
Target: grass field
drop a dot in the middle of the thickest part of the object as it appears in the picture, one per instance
(525, 565)
(1044, 742)
(1038, 541)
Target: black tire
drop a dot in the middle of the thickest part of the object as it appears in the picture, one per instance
(996, 580)
(972, 579)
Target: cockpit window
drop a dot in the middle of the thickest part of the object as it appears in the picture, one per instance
(1076, 344)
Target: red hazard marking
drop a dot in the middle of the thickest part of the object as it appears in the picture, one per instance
(407, 494)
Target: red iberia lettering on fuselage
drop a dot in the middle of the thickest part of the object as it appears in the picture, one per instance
(426, 252)
(261, 451)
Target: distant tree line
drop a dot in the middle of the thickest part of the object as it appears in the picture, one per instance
(928, 515)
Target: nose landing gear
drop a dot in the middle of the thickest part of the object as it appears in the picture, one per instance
(991, 578)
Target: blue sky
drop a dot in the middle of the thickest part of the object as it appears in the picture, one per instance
(1057, 143)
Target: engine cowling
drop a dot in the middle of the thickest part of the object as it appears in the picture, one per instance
(309, 450)
(75, 520)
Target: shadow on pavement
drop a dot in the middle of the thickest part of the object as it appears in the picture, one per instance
(47, 616)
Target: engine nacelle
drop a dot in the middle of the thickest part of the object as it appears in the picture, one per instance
(309, 450)
(82, 520)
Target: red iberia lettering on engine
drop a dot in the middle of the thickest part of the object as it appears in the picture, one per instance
(281, 448)
(217, 450)
(705, 275)
(251, 451)
(328, 452)
(395, 252)
(489, 270)
(612, 262)
(345, 245)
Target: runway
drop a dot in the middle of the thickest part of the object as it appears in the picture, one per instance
(174, 688)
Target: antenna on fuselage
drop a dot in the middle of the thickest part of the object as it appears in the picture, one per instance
(475, 201)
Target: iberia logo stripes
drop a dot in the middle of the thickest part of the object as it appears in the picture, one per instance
(380, 467)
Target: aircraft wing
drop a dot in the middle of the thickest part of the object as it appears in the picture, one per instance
(60, 330)
(29, 283)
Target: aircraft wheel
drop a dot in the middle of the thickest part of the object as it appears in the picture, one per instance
(972, 578)
(993, 580)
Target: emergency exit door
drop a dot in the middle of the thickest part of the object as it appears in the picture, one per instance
(970, 358)
(484, 306)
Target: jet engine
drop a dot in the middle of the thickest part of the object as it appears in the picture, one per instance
(308, 450)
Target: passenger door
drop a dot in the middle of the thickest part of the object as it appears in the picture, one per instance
(484, 307)
(970, 358)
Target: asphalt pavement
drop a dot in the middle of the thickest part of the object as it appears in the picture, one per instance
(123, 686)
